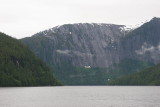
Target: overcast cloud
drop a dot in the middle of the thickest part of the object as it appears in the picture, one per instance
(22, 18)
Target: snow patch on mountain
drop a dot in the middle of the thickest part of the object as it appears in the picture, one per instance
(126, 28)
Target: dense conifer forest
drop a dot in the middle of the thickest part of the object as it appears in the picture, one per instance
(20, 67)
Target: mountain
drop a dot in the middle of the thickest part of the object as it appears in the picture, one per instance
(143, 43)
(97, 46)
(20, 67)
(148, 76)
(80, 44)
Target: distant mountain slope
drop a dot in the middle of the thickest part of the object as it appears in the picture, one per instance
(20, 67)
(80, 44)
(150, 76)
(97, 45)
(142, 43)
(101, 46)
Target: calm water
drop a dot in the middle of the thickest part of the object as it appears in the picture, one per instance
(80, 96)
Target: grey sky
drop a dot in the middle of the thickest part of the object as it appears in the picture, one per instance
(21, 18)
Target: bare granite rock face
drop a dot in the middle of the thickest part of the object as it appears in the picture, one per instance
(97, 45)
(84, 44)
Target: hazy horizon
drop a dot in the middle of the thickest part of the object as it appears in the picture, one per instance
(24, 18)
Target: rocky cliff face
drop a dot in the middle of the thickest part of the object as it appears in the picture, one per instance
(70, 48)
(97, 45)
(143, 43)
(80, 44)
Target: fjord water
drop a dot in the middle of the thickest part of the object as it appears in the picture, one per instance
(81, 96)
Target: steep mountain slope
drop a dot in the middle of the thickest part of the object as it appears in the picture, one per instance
(97, 45)
(80, 44)
(101, 46)
(20, 67)
(150, 76)
(143, 43)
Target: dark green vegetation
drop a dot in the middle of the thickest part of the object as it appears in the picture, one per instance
(20, 67)
(126, 67)
(71, 75)
(150, 76)
(81, 76)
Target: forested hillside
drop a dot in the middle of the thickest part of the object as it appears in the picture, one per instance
(20, 67)
(72, 75)
(150, 76)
